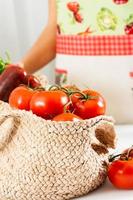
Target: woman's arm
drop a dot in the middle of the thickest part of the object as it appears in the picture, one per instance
(43, 50)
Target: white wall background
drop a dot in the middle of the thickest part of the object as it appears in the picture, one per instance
(21, 22)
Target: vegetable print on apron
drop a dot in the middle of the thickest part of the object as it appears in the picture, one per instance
(95, 50)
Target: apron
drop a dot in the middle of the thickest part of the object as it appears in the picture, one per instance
(95, 50)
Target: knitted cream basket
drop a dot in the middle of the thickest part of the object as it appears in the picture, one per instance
(45, 160)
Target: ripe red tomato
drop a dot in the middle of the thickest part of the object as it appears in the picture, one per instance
(67, 117)
(20, 98)
(48, 104)
(90, 105)
(120, 174)
(120, 171)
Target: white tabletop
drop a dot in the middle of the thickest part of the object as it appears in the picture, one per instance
(107, 191)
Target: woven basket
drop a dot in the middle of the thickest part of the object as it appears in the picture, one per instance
(45, 160)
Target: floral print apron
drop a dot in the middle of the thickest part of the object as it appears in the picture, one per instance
(95, 50)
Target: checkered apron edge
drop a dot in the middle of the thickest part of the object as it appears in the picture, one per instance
(112, 45)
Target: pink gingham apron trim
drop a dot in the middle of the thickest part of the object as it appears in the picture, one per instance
(95, 45)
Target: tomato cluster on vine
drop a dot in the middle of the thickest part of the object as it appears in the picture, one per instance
(59, 103)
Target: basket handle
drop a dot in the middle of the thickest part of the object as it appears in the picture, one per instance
(7, 129)
(106, 135)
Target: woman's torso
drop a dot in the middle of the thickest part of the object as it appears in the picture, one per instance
(95, 49)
